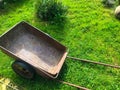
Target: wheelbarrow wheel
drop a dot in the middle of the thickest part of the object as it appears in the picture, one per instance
(23, 69)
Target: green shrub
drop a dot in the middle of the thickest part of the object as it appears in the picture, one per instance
(51, 10)
(108, 3)
(10, 1)
(1, 4)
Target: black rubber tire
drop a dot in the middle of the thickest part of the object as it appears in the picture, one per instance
(23, 69)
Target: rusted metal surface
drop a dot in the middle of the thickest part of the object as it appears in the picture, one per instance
(33, 46)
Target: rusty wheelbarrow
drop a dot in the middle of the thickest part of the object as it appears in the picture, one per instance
(34, 51)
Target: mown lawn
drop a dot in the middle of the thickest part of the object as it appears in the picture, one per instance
(90, 32)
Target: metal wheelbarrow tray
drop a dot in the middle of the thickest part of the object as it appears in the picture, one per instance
(34, 47)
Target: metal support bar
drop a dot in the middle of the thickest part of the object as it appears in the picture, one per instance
(73, 85)
(89, 61)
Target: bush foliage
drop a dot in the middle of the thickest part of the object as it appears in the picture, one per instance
(108, 3)
(51, 10)
(10, 1)
(1, 4)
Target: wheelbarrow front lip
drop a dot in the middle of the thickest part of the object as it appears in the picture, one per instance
(57, 67)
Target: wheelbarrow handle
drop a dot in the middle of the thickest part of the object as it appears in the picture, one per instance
(90, 61)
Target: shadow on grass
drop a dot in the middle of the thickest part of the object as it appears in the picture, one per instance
(39, 82)
(63, 72)
(11, 6)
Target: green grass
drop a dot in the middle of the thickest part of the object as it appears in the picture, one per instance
(90, 32)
